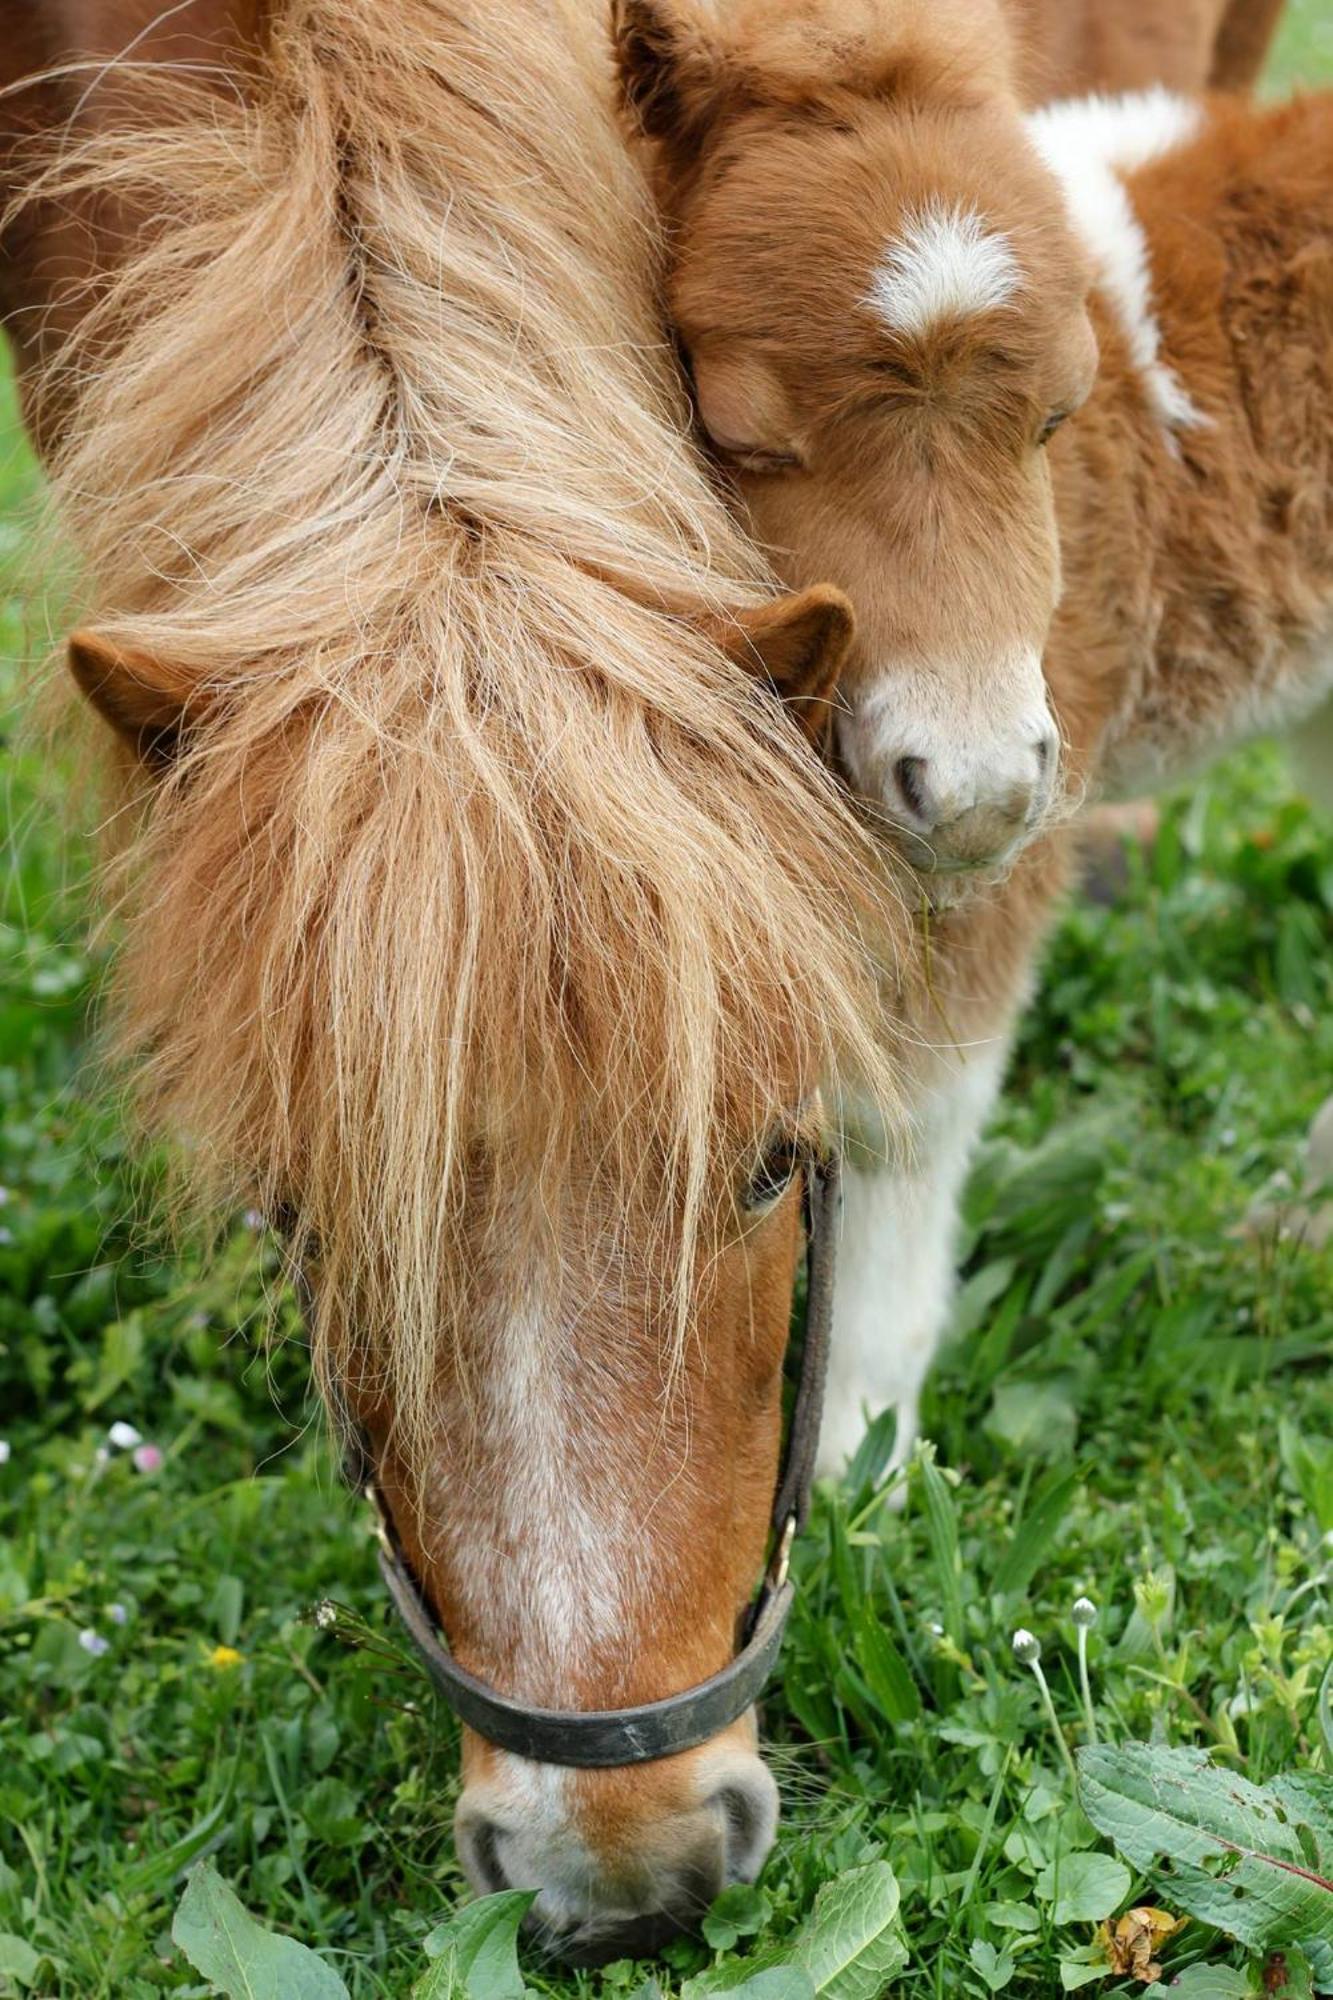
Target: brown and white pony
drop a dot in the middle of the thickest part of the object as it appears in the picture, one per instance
(893, 289)
(481, 914)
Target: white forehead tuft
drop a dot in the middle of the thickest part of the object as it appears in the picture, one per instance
(946, 264)
(1089, 143)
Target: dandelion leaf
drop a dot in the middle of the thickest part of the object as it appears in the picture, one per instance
(237, 1955)
(851, 1944)
(476, 1951)
(1252, 1860)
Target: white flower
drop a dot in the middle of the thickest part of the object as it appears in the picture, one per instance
(124, 1436)
(4, 1451)
(93, 1642)
(117, 1614)
(326, 1614)
(1027, 1647)
(1084, 1613)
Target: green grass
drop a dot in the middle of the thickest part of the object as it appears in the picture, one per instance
(1137, 1406)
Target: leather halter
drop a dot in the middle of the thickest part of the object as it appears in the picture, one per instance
(599, 1739)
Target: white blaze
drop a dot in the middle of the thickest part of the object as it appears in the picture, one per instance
(946, 264)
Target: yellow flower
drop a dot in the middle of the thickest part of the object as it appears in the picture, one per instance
(223, 1657)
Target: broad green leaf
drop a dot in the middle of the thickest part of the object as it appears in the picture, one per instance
(1253, 1860)
(995, 1967)
(1033, 1417)
(850, 1944)
(222, 1940)
(331, 1810)
(476, 1951)
(1082, 1967)
(1214, 1982)
(122, 1352)
(1035, 1533)
(778, 1982)
(740, 1911)
(1085, 1888)
(886, 1672)
(870, 1461)
(942, 1531)
(18, 1960)
(1012, 1917)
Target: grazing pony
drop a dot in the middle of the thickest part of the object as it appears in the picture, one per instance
(483, 917)
(888, 376)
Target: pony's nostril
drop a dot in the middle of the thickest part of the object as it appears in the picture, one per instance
(478, 1843)
(910, 774)
(747, 1805)
(1048, 755)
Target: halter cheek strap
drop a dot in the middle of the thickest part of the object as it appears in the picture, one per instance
(597, 1739)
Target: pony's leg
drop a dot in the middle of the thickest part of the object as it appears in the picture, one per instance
(1244, 37)
(895, 1277)
(1311, 751)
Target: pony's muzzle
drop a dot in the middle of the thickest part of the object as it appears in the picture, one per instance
(954, 791)
(620, 1866)
(952, 820)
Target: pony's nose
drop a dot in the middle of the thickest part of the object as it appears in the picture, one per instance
(623, 1881)
(682, 1891)
(597, 1926)
(960, 818)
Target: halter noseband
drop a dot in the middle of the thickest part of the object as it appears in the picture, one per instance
(598, 1739)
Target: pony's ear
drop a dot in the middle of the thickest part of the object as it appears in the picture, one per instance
(672, 77)
(799, 644)
(145, 702)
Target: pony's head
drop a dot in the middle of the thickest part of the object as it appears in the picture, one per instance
(885, 311)
(485, 914)
(557, 1313)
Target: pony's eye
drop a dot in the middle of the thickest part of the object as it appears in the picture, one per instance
(773, 1175)
(1051, 426)
(763, 461)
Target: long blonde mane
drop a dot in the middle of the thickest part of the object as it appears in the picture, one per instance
(478, 855)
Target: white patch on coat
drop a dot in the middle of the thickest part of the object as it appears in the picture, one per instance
(895, 1278)
(946, 264)
(1090, 143)
(549, 1557)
